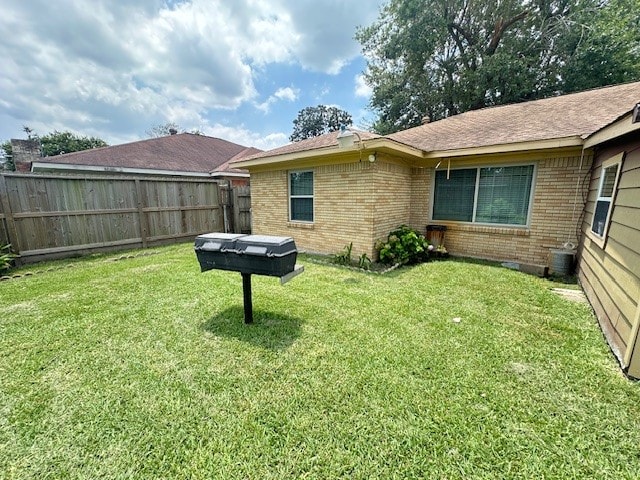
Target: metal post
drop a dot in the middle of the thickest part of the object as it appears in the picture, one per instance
(246, 291)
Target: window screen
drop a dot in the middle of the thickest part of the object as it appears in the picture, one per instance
(503, 195)
(453, 197)
(605, 195)
(301, 196)
(495, 195)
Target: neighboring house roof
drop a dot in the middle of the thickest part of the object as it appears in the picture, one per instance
(562, 121)
(229, 171)
(179, 154)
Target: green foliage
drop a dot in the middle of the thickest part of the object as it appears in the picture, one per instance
(113, 370)
(7, 155)
(136, 369)
(364, 262)
(344, 258)
(6, 258)
(314, 121)
(404, 245)
(437, 58)
(57, 143)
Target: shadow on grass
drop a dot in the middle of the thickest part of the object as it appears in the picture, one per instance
(273, 331)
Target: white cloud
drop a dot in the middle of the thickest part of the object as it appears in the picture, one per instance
(243, 136)
(327, 30)
(361, 87)
(114, 69)
(286, 93)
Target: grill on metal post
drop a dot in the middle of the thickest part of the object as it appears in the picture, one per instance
(249, 255)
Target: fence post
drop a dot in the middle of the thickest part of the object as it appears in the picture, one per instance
(12, 233)
(236, 211)
(226, 202)
(144, 224)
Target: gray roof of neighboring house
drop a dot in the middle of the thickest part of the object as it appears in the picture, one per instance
(572, 115)
(182, 152)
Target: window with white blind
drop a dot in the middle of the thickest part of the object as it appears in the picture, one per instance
(609, 176)
(301, 196)
(489, 195)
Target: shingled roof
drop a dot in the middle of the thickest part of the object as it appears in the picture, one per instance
(327, 140)
(564, 120)
(573, 115)
(182, 152)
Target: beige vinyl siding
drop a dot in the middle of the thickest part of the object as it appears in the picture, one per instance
(610, 274)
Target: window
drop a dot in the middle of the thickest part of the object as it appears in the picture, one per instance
(301, 196)
(494, 195)
(606, 191)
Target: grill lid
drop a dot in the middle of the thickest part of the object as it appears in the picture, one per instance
(214, 242)
(265, 245)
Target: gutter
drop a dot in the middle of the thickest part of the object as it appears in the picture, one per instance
(53, 167)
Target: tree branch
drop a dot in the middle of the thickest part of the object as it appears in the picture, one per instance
(499, 29)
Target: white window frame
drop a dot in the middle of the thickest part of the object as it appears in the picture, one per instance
(601, 237)
(473, 221)
(291, 197)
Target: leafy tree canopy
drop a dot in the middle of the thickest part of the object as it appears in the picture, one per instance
(54, 143)
(57, 143)
(314, 121)
(435, 58)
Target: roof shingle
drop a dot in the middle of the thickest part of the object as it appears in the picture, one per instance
(184, 152)
(572, 115)
(314, 143)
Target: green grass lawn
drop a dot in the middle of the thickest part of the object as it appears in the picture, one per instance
(143, 368)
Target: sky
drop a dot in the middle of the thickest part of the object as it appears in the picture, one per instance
(240, 70)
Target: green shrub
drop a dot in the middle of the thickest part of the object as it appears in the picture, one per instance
(364, 262)
(404, 245)
(6, 258)
(344, 258)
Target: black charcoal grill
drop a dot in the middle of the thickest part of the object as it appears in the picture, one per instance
(249, 255)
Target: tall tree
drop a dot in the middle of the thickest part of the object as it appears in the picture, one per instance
(315, 121)
(6, 152)
(437, 58)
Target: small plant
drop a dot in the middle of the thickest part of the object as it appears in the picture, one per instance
(6, 258)
(404, 245)
(364, 262)
(344, 258)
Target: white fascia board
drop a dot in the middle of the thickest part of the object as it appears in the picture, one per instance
(51, 166)
(509, 147)
(229, 174)
(614, 130)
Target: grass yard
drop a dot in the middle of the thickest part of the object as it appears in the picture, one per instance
(143, 368)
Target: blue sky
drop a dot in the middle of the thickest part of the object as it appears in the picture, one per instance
(236, 69)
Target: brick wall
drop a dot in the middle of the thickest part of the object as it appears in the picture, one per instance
(393, 200)
(553, 220)
(362, 202)
(24, 153)
(343, 208)
(420, 198)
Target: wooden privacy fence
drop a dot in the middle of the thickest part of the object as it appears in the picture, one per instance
(236, 208)
(54, 216)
